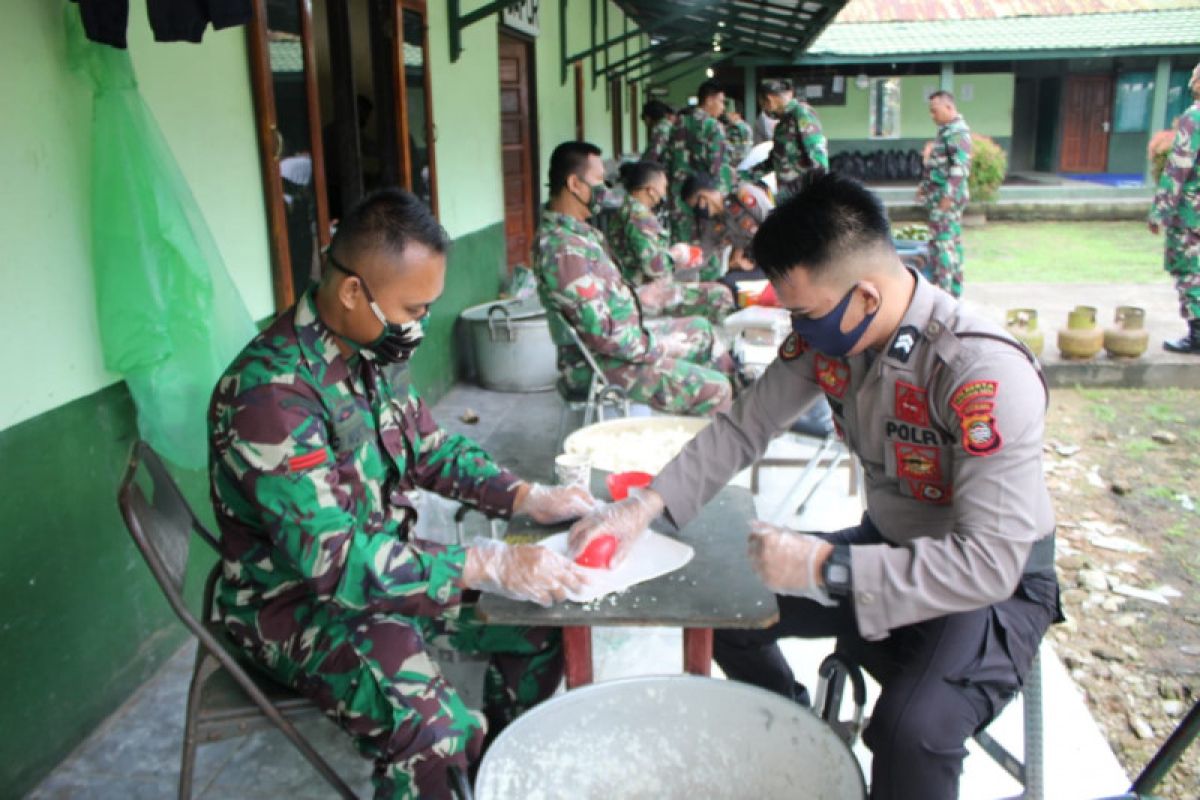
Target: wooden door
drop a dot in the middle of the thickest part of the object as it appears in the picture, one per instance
(516, 149)
(1087, 118)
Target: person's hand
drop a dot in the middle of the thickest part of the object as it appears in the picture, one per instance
(1154, 227)
(945, 204)
(626, 520)
(739, 263)
(550, 504)
(789, 562)
(681, 254)
(521, 572)
(657, 294)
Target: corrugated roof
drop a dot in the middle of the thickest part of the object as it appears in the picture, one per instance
(931, 10)
(1011, 34)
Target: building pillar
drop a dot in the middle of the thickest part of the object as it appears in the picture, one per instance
(947, 80)
(750, 89)
(1158, 104)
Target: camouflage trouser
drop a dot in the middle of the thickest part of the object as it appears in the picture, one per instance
(946, 248)
(693, 377)
(372, 674)
(1181, 258)
(712, 301)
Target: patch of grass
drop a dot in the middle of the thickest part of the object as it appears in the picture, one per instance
(1063, 252)
(1179, 530)
(1164, 413)
(1137, 448)
(1104, 413)
(1161, 492)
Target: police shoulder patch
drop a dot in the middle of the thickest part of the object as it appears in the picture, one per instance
(793, 347)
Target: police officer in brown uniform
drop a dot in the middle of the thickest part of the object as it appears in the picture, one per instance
(945, 589)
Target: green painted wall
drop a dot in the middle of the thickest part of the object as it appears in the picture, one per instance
(84, 624)
(201, 99)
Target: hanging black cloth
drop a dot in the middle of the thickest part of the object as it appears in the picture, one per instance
(105, 21)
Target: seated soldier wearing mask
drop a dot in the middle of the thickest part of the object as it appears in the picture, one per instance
(638, 243)
(675, 365)
(316, 437)
(727, 225)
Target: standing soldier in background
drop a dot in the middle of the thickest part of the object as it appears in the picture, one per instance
(944, 191)
(738, 133)
(639, 246)
(698, 144)
(1177, 209)
(800, 146)
(675, 365)
(659, 118)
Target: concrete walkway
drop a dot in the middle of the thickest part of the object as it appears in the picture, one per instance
(135, 754)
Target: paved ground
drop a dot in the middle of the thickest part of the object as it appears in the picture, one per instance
(135, 753)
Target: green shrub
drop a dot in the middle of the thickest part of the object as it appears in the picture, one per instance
(989, 163)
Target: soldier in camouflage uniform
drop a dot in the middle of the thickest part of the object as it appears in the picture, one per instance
(1177, 210)
(675, 365)
(316, 436)
(660, 119)
(727, 226)
(945, 193)
(800, 145)
(698, 144)
(639, 247)
(738, 133)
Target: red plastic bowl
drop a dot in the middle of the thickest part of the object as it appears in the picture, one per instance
(619, 483)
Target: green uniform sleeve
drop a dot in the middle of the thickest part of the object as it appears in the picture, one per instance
(1179, 169)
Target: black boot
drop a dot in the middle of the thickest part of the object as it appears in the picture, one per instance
(1186, 344)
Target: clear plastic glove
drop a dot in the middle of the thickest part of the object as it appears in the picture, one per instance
(789, 562)
(521, 572)
(626, 520)
(551, 504)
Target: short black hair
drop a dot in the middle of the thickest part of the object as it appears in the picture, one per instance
(654, 110)
(942, 94)
(829, 216)
(775, 86)
(636, 174)
(387, 220)
(569, 158)
(693, 183)
(708, 89)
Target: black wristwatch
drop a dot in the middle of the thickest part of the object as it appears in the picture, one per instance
(836, 572)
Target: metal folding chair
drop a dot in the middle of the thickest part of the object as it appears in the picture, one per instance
(829, 457)
(227, 697)
(600, 393)
(837, 668)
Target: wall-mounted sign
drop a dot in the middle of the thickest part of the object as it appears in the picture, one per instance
(522, 16)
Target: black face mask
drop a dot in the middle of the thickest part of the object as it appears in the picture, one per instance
(398, 341)
(702, 211)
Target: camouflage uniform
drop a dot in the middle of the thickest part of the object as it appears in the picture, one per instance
(800, 147)
(698, 144)
(734, 229)
(323, 586)
(658, 141)
(1177, 210)
(668, 365)
(640, 249)
(740, 137)
(946, 173)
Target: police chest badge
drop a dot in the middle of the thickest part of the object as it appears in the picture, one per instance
(833, 375)
(974, 402)
(911, 404)
(793, 347)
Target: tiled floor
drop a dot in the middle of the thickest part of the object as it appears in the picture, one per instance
(135, 754)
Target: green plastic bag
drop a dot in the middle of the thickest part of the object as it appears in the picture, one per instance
(170, 317)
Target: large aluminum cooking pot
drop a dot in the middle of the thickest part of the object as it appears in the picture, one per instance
(681, 737)
(511, 345)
